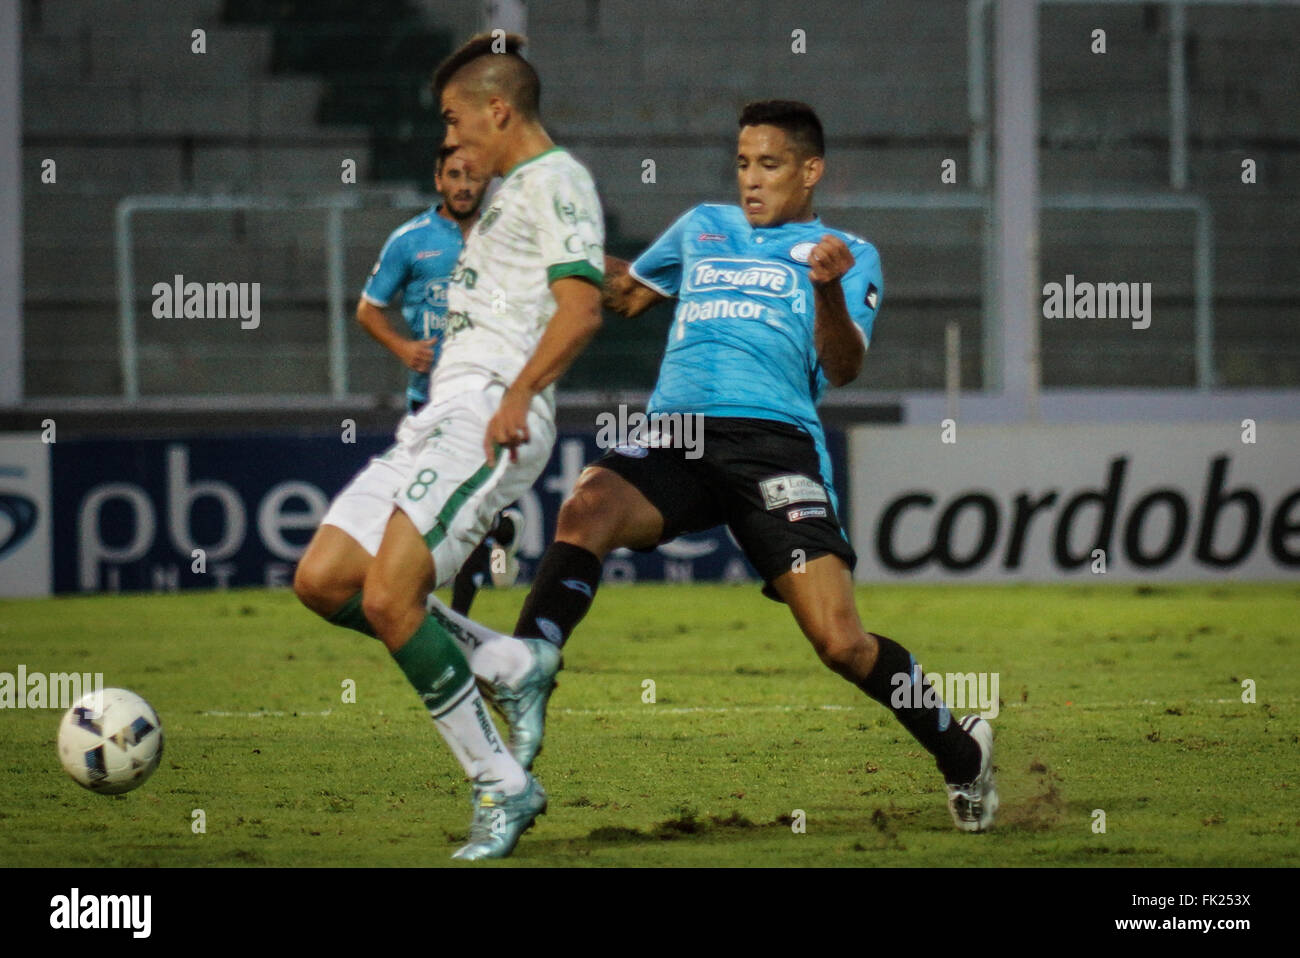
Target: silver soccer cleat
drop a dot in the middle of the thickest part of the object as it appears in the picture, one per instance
(524, 704)
(500, 819)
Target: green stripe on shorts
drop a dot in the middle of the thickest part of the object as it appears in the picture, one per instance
(457, 499)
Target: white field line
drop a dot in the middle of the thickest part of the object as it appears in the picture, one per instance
(692, 710)
(873, 707)
(215, 713)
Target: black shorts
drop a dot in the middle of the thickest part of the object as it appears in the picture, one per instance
(759, 477)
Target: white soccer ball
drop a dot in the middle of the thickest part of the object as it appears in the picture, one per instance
(110, 741)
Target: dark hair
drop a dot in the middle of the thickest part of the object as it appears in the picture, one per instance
(444, 153)
(489, 70)
(798, 120)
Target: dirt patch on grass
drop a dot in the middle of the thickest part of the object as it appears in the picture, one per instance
(686, 822)
(1041, 811)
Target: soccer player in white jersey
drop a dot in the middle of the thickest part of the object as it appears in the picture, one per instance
(523, 302)
(416, 264)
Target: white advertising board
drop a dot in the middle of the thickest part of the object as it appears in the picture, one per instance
(1064, 503)
(25, 527)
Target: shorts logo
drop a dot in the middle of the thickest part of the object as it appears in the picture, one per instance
(632, 451)
(783, 490)
(808, 512)
(800, 252)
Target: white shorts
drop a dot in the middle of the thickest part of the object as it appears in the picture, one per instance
(437, 474)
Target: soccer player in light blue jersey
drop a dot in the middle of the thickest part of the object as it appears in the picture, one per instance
(417, 261)
(772, 307)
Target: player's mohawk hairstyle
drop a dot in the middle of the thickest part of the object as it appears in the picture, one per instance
(493, 63)
(798, 120)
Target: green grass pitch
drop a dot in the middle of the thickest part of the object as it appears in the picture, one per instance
(1119, 698)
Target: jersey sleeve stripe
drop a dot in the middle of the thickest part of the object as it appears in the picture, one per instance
(581, 269)
(647, 283)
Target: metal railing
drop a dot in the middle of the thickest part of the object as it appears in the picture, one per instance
(335, 281)
(977, 77)
(1202, 243)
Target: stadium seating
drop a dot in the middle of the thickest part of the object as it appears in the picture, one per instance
(270, 108)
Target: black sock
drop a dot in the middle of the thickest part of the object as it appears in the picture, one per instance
(955, 752)
(562, 592)
(471, 577)
(504, 531)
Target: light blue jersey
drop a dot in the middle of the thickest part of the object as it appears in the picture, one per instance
(741, 343)
(418, 259)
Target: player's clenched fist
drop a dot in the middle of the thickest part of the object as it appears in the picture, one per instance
(829, 260)
(509, 427)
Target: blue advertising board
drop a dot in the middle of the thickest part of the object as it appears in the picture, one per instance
(201, 512)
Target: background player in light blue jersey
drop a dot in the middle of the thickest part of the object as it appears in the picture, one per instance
(772, 306)
(417, 261)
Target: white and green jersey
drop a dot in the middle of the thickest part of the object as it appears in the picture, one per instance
(544, 223)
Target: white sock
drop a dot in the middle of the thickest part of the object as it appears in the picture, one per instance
(504, 660)
(468, 731)
(494, 658)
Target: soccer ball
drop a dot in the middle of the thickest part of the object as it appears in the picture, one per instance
(110, 741)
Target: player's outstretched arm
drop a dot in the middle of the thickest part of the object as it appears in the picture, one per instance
(576, 320)
(415, 354)
(622, 293)
(839, 343)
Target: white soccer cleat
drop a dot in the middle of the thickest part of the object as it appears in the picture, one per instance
(974, 804)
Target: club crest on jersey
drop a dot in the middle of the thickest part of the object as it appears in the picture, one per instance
(800, 252)
(569, 212)
(491, 216)
(758, 277)
(781, 491)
